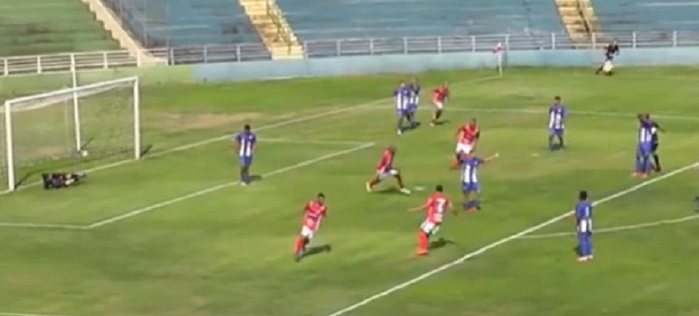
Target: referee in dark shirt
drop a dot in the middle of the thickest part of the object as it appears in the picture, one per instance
(655, 139)
(610, 51)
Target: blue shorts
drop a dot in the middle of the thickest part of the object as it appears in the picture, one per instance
(468, 187)
(644, 149)
(556, 131)
(412, 108)
(245, 161)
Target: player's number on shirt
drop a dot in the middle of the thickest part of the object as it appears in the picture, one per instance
(440, 205)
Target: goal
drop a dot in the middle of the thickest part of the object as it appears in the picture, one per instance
(69, 127)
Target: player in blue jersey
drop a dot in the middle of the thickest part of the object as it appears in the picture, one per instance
(655, 143)
(470, 186)
(402, 96)
(645, 146)
(557, 118)
(414, 102)
(583, 224)
(246, 143)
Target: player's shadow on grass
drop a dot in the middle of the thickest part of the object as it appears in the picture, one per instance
(440, 123)
(391, 190)
(439, 243)
(255, 178)
(316, 250)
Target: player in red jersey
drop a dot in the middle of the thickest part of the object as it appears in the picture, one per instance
(386, 169)
(314, 213)
(439, 97)
(436, 206)
(467, 138)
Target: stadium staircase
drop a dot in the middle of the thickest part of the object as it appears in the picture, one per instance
(276, 33)
(579, 19)
(112, 24)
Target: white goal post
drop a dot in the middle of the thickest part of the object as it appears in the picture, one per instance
(68, 127)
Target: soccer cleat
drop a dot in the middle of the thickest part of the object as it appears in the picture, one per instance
(405, 191)
(368, 187)
(298, 256)
(244, 184)
(399, 132)
(582, 259)
(472, 210)
(421, 252)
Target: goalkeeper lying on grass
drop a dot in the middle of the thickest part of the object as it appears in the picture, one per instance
(60, 180)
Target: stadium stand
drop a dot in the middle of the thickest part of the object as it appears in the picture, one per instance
(44, 27)
(187, 25)
(647, 15)
(322, 19)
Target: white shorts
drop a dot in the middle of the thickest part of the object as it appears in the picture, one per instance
(464, 148)
(438, 104)
(389, 173)
(429, 227)
(308, 232)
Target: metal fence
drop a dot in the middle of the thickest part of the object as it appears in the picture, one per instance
(331, 48)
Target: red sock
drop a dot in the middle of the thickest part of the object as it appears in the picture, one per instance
(424, 241)
(300, 241)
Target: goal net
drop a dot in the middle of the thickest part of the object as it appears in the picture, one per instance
(69, 126)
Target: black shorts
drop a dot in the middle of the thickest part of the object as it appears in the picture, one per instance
(654, 147)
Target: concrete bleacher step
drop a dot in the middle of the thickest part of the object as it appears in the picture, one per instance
(275, 31)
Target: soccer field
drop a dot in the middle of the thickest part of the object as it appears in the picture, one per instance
(174, 233)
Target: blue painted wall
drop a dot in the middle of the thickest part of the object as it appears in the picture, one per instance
(357, 65)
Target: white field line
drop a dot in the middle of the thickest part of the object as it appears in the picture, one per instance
(282, 123)
(619, 228)
(501, 242)
(42, 226)
(25, 314)
(543, 111)
(212, 189)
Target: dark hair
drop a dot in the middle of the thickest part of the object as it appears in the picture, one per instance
(246, 127)
(439, 188)
(321, 195)
(582, 195)
(557, 98)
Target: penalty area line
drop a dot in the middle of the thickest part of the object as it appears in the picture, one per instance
(616, 229)
(212, 189)
(26, 314)
(501, 242)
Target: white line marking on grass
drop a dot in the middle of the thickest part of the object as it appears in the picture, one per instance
(501, 242)
(43, 226)
(199, 193)
(619, 228)
(282, 123)
(25, 314)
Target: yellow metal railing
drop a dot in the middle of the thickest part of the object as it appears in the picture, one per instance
(283, 33)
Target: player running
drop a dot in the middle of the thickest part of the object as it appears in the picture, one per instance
(558, 114)
(467, 138)
(386, 169)
(470, 187)
(414, 102)
(583, 224)
(314, 213)
(246, 144)
(437, 204)
(645, 146)
(439, 97)
(402, 96)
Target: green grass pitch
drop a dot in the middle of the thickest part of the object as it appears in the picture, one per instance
(174, 235)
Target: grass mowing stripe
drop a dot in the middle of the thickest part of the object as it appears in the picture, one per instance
(261, 128)
(619, 228)
(25, 314)
(501, 242)
(192, 195)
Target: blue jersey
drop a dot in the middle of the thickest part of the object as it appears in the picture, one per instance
(583, 217)
(557, 116)
(402, 97)
(469, 174)
(246, 144)
(645, 138)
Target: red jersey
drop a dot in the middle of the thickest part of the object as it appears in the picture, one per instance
(315, 212)
(440, 94)
(437, 204)
(469, 134)
(386, 161)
